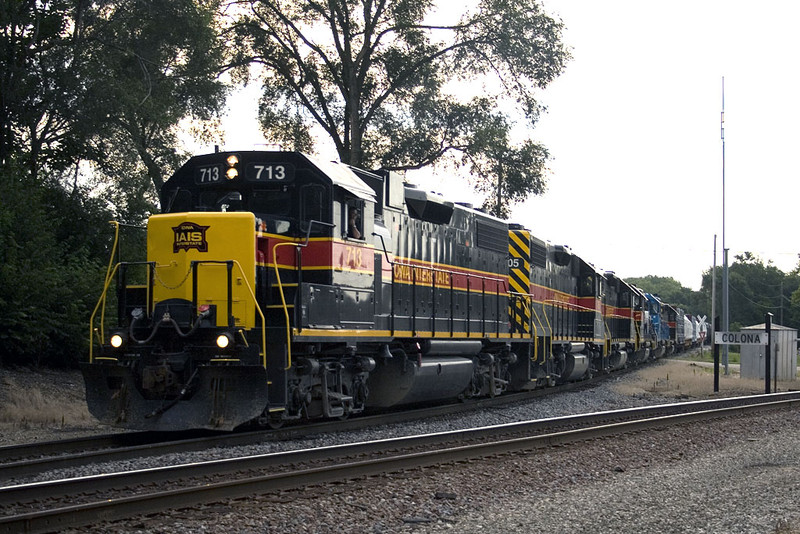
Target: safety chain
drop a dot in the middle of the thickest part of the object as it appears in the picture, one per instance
(165, 286)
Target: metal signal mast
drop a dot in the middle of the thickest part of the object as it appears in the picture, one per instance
(725, 310)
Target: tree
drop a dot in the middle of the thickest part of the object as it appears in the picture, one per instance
(107, 82)
(153, 64)
(38, 83)
(672, 292)
(756, 288)
(382, 81)
(53, 251)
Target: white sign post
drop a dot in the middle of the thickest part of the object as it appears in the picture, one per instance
(740, 338)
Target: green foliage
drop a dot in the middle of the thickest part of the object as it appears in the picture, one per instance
(388, 88)
(109, 83)
(672, 292)
(49, 271)
(106, 82)
(755, 289)
(39, 84)
(149, 65)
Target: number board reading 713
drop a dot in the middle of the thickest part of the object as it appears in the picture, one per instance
(269, 172)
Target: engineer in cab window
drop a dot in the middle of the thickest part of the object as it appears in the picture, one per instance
(353, 222)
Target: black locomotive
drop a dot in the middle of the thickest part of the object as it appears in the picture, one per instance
(278, 288)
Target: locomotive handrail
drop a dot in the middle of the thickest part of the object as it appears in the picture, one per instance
(519, 301)
(638, 334)
(109, 276)
(552, 332)
(536, 333)
(569, 305)
(534, 319)
(230, 263)
(483, 308)
(527, 299)
(102, 300)
(469, 276)
(111, 270)
(391, 265)
(280, 285)
(283, 300)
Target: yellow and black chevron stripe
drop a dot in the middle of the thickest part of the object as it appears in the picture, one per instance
(519, 278)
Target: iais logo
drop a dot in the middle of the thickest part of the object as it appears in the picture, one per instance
(189, 235)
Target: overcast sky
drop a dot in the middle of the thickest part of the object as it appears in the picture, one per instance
(633, 127)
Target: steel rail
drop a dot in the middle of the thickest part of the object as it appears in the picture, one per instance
(60, 454)
(12, 453)
(115, 447)
(50, 489)
(116, 508)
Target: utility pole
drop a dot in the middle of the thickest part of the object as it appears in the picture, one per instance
(725, 310)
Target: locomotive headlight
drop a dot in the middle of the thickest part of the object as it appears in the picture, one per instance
(117, 340)
(224, 340)
(232, 172)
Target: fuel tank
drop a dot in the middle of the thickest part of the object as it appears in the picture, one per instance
(404, 380)
(575, 366)
(617, 359)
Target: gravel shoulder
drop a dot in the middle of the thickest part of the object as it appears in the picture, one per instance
(740, 475)
(735, 475)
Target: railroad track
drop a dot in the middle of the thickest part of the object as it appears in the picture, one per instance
(51, 506)
(28, 461)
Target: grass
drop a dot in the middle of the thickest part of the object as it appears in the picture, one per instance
(689, 379)
(707, 355)
(30, 407)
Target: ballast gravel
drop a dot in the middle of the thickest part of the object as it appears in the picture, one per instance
(737, 475)
(601, 397)
(729, 476)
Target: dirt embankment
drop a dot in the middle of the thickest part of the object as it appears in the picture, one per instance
(691, 380)
(43, 405)
(46, 404)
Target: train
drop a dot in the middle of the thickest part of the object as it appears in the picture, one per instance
(278, 287)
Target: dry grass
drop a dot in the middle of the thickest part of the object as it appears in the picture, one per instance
(30, 400)
(786, 527)
(685, 379)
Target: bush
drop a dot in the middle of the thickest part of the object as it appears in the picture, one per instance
(50, 270)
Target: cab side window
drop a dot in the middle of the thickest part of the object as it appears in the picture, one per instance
(354, 216)
(313, 203)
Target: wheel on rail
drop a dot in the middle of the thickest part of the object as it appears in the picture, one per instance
(275, 423)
